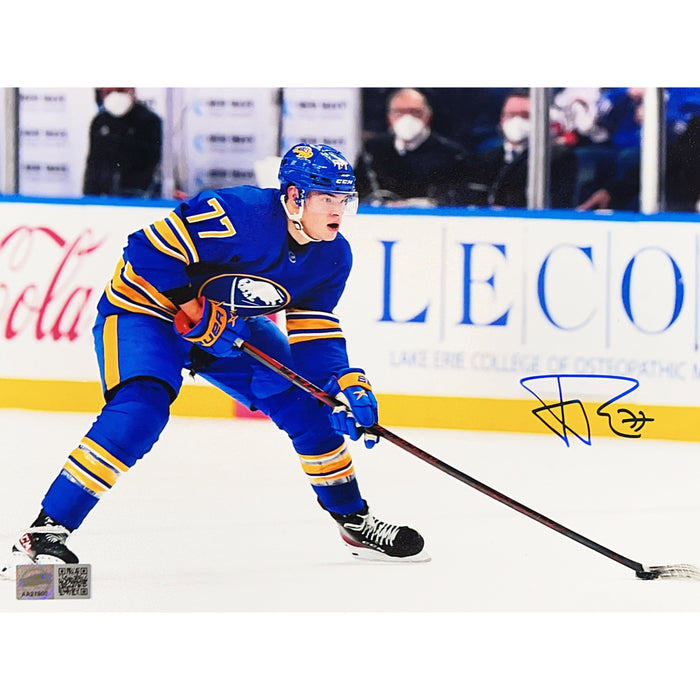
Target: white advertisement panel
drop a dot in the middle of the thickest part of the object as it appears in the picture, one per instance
(222, 132)
(54, 126)
(470, 305)
(322, 115)
(437, 306)
(54, 263)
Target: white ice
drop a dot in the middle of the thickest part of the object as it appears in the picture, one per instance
(220, 518)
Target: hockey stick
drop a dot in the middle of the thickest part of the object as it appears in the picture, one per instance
(652, 572)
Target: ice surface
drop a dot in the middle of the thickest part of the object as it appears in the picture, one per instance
(219, 518)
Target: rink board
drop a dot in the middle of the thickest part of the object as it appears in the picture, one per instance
(469, 320)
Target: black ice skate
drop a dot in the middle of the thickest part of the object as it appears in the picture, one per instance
(370, 538)
(43, 543)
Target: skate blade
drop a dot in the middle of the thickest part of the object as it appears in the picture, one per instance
(8, 572)
(368, 554)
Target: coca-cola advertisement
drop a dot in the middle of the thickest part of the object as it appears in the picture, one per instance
(54, 264)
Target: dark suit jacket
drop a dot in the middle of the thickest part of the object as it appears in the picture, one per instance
(434, 169)
(494, 182)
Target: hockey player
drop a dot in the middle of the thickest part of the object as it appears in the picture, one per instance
(185, 289)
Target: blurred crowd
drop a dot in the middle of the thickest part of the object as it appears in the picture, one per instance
(460, 147)
(469, 147)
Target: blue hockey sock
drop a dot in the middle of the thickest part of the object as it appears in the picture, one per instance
(67, 502)
(343, 499)
(127, 428)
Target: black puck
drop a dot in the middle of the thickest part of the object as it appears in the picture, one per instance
(647, 575)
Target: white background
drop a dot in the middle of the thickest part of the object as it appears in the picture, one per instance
(417, 656)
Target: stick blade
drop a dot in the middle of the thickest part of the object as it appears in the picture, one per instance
(687, 571)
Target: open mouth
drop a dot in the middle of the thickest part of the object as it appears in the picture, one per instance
(334, 226)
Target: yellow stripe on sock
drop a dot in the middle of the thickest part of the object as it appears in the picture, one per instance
(330, 461)
(89, 463)
(82, 478)
(106, 456)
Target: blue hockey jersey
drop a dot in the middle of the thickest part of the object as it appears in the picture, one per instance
(232, 246)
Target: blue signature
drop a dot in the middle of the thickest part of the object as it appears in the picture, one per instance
(566, 417)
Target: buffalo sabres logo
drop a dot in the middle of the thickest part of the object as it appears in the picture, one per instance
(302, 152)
(247, 295)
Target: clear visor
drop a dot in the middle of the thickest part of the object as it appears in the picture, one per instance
(331, 202)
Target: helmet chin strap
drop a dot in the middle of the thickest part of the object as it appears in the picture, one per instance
(296, 220)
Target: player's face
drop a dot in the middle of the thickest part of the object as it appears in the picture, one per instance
(323, 214)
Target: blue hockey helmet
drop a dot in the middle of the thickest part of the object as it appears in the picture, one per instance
(316, 168)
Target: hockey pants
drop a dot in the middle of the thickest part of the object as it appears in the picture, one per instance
(140, 388)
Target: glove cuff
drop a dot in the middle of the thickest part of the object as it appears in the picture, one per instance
(209, 328)
(354, 377)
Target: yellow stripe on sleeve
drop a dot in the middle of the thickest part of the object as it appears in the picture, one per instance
(169, 237)
(184, 235)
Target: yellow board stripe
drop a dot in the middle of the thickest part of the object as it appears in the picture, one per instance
(678, 423)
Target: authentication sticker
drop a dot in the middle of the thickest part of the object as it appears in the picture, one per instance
(53, 581)
(34, 582)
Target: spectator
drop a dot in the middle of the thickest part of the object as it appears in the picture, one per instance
(500, 175)
(574, 117)
(125, 147)
(468, 116)
(410, 165)
(621, 192)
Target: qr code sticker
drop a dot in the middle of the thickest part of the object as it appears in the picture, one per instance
(72, 581)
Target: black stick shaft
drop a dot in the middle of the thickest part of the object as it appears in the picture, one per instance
(377, 429)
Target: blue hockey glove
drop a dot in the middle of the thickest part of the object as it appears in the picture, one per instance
(215, 331)
(359, 411)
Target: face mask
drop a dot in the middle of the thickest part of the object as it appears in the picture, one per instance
(408, 127)
(118, 103)
(516, 129)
